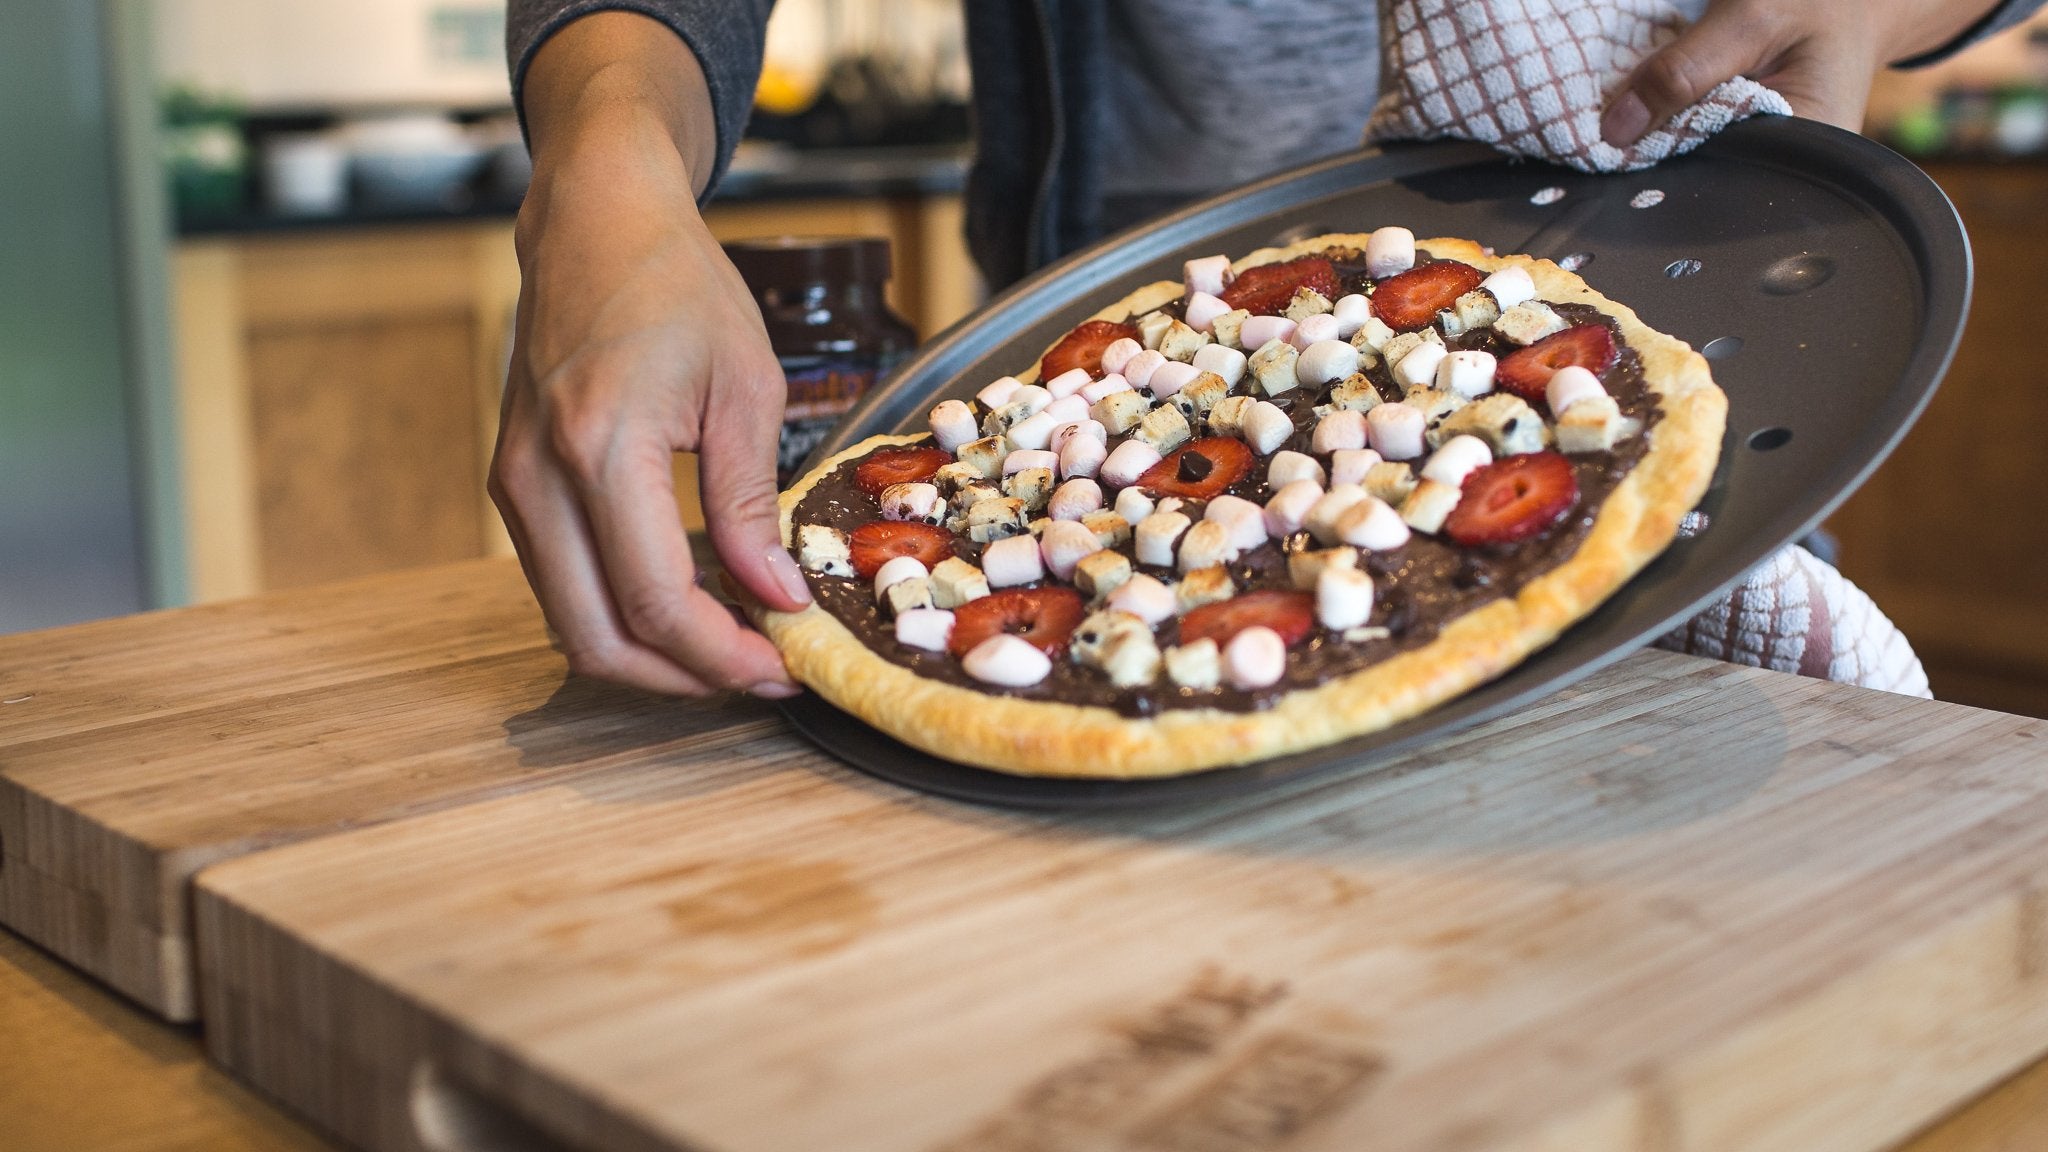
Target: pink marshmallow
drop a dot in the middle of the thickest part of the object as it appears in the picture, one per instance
(1396, 431)
(1210, 274)
(1171, 377)
(1066, 432)
(1109, 385)
(1064, 544)
(1569, 385)
(1255, 658)
(1024, 458)
(1069, 382)
(1082, 456)
(1202, 311)
(1074, 499)
(1349, 465)
(1138, 369)
(1314, 330)
(1011, 561)
(1341, 429)
(1007, 661)
(1066, 410)
(1259, 331)
(1119, 353)
(1145, 597)
(1128, 462)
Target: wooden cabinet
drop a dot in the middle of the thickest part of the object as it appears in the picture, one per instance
(339, 389)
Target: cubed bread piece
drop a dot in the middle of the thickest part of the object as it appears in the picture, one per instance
(1355, 393)
(1227, 417)
(903, 595)
(1163, 428)
(952, 478)
(1390, 482)
(985, 455)
(1100, 573)
(1528, 322)
(1273, 367)
(1594, 425)
(1426, 507)
(1111, 528)
(1031, 485)
(1181, 342)
(989, 520)
(1120, 411)
(1436, 407)
(1372, 337)
(1120, 645)
(1202, 586)
(1195, 400)
(955, 582)
(826, 551)
(1398, 348)
(1307, 302)
(1198, 666)
(1226, 328)
(1306, 566)
(1475, 309)
(1505, 421)
(1152, 328)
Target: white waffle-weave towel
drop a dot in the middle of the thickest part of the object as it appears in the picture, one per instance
(1796, 613)
(1532, 77)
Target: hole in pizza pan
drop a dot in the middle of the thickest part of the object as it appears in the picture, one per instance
(1722, 347)
(1770, 439)
(1298, 233)
(1796, 274)
(1575, 261)
(1681, 268)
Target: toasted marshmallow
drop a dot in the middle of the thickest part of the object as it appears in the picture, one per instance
(1138, 369)
(1006, 661)
(1069, 382)
(1064, 544)
(1322, 517)
(1019, 460)
(824, 550)
(1146, 597)
(926, 628)
(1074, 499)
(999, 393)
(1349, 465)
(1244, 520)
(1468, 374)
(1255, 658)
(1260, 331)
(1108, 385)
(1454, 461)
(1341, 429)
(1203, 309)
(1170, 378)
(1205, 545)
(1158, 536)
(1390, 252)
(1351, 313)
(1314, 330)
(953, 424)
(1127, 462)
(1324, 361)
(1210, 274)
(1396, 431)
(1568, 386)
(1343, 598)
(1119, 353)
(1288, 509)
(1119, 644)
(1032, 432)
(1372, 524)
(896, 569)
(1133, 505)
(918, 502)
(1426, 508)
(1266, 427)
(1510, 286)
(1418, 368)
(1082, 456)
(1011, 561)
(1225, 362)
(1287, 467)
(1090, 428)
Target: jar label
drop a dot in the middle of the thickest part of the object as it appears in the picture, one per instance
(822, 389)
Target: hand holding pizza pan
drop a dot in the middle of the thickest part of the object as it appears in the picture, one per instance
(1826, 278)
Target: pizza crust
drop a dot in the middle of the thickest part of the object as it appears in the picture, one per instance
(1038, 738)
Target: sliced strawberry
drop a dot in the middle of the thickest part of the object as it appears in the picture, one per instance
(1044, 617)
(1202, 470)
(1082, 348)
(1291, 614)
(1412, 299)
(898, 466)
(1513, 499)
(1266, 289)
(1527, 373)
(874, 545)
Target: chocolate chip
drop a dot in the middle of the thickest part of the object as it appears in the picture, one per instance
(1400, 616)
(1472, 574)
(1195, 467)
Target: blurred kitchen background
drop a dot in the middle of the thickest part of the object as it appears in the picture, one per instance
(256, 283)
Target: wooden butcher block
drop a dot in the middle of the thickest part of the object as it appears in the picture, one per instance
(1682, 907)
(134, 752)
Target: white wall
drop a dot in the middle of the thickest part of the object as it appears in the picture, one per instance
(282, 53)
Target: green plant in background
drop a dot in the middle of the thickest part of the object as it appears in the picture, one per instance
(205, 154)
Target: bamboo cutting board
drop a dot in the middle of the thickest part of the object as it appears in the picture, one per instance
(137, 751)
(1682, 907)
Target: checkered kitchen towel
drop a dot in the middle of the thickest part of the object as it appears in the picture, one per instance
(1532, 77)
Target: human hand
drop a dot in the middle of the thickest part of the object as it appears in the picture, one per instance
(1819, 54)
(635, 339)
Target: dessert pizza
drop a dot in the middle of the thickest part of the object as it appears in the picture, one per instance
(1289, 500)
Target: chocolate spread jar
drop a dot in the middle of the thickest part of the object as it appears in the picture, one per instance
(822, 299)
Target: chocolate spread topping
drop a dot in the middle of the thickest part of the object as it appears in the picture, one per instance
(1419, 587)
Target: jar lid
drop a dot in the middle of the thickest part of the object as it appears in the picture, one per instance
(791, 261)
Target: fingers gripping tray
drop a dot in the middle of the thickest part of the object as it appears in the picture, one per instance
(1824, 277)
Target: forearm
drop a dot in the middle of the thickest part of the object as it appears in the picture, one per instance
(609, 72)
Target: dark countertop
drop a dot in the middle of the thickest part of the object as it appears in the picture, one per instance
(758, 173)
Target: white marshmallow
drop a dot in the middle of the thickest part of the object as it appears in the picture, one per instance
(1372, 524)
(1324, 361)
(1063, 545)
(1323, 515)
(1260, 331)
(1255, 658)
(1206, 545)
(1109, 385)
(1068, 409)
(1343, 598)
(926, 628)
(1074, 499)
(1349, 465)
(1082, 456)
(1457, 458)
(1069, 382)
(1030, 458)
(913, 502)
(1351, 312)
(1133, 505)
(1342, 429)
(1266, 427)
(1210, 274)
(1469, 374)
(1568, 386)
(1202, 311)
(1033, 431)
(1287, 467)
(1418, 368)
(1092, 429)
(1119, 353)
(896, 570)
(1031, 398)
(1170, 378)
(1314, 330)
(1289, 507)
(1395, 431)
(1225, 362)
(1145, 597)
(1138, 369)
(1012, 560)
(1244, 520)
(1170, 504)
(1510, 286)
(999, 393)
(953, 424)
(1126, 463)
(1390, 252)
(1156, 536)
(1006, 661)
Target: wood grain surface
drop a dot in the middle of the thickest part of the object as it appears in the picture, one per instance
(1684, 906)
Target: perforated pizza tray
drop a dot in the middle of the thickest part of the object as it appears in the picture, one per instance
(1825, 277)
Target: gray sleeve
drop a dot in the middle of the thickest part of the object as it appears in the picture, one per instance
(725, 35)
(2008, 14)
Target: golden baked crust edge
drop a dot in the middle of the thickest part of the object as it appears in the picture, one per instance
(1039, 738)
